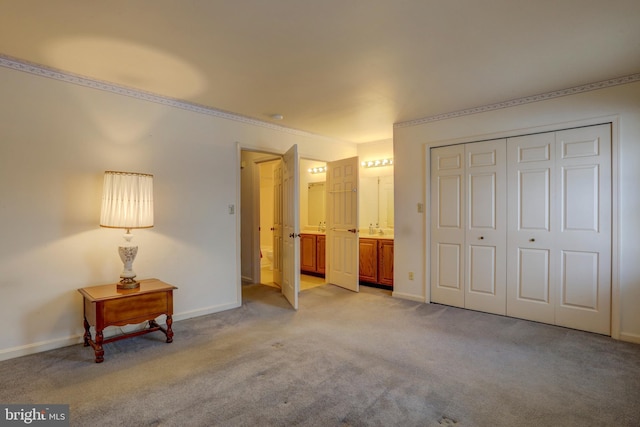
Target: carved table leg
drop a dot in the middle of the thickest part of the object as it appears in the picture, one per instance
(169, 330)
(87, 333)
(98, 347)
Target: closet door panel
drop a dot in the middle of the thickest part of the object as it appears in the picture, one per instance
(485, 236)
(584, 236)
(447, 225)
(531, 289)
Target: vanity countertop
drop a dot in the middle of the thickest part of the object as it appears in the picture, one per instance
(375, 236)
(316, 232)
(363, 234)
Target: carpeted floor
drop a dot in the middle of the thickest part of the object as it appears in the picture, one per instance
(343, 359)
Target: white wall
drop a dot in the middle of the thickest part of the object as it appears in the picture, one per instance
(56, 140)
(622, 103)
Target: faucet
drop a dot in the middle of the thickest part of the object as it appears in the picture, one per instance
(370, 228)
(323, 227)
(380, 230)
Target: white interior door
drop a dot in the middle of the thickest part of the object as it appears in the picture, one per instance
(447, 225)
(277, 224)
(532, 218)
(583, 241)
(486, 227)
(291, 226)
(342, 224)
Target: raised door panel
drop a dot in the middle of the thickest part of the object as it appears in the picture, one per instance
(531, 266)
(485, 234)
(385, 262)
(368, 260)
(447, 225)
(584, 235)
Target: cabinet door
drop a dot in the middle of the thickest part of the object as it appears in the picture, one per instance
(321, 245)
(369, 260)
(385, 262)
(308, 252)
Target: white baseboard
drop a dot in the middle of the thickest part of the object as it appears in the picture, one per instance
(38, 347)
(402, 295)
(204, 311)
(629, 337)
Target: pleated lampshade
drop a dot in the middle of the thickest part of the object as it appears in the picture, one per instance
(127, 200)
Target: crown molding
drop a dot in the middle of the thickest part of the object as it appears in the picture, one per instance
(521, 101)
(68, 77)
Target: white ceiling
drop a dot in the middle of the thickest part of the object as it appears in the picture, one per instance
(347, 69)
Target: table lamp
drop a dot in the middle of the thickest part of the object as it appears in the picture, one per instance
(127, 202)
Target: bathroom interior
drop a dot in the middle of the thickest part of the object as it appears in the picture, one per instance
(375, 221)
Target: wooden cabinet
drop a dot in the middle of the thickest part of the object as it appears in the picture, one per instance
(385, 262)
(308, 253)
(376, 261)
(368, 260)
(312, 253)
(321, 244)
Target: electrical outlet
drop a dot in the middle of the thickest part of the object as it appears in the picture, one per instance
(411, 275)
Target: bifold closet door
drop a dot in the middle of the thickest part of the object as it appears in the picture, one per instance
(486, 227)
(532, 218)
(468, 228)
(447, 225)
(583, 242)
(559, 237)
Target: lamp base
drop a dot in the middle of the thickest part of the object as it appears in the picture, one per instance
(128, 283)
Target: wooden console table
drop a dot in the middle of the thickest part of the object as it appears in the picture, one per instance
(106, 305)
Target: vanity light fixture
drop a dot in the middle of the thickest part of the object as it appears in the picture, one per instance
(376, 163)
(127, 202)
(321, 169)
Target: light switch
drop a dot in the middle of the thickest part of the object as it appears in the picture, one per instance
(232, 209)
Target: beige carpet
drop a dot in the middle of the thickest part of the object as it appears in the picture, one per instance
(343, 359)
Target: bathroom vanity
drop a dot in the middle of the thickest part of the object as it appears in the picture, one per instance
(312, 253)
(376, 261)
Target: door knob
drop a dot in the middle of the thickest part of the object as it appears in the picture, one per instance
(481, 237)
(532, 240)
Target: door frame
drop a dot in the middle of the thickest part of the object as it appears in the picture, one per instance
(255, 215)
(615, 199)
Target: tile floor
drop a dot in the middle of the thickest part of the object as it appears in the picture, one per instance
(306, 281)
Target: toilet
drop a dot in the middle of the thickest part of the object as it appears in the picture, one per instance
(267, 257)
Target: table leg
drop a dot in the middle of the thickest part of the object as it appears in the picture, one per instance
(98, 347)
(169, 330)
(87, 333)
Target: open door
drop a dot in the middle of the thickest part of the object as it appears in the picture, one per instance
(277, 224)
(342, 224)
(290, 226)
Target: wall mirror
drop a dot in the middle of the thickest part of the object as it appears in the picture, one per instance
(376, 201)
(316, 203)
